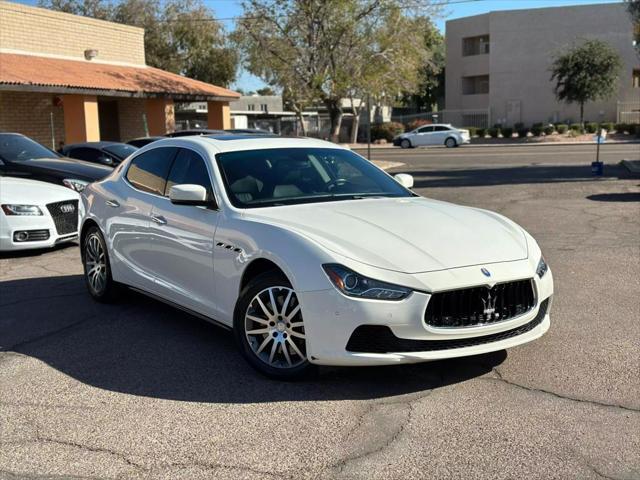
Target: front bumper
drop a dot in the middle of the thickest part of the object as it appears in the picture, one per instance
(11, 225)
(331, 319)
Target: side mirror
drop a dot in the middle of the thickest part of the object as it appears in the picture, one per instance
(190, 194)
(404, 179)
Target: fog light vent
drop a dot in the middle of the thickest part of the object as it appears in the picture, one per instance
(30, 236)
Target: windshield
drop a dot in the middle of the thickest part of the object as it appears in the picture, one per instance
(120, 151)
(285, 176)
(16, 148)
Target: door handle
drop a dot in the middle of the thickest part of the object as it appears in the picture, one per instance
(112, 203)
(159, 219)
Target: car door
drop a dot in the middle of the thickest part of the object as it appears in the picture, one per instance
(440, 134)
(424, 135)
(183, 239)
(128, 205)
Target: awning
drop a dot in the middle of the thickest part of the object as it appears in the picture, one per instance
(45, 74)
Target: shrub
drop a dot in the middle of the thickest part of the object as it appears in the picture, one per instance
(482, 132)
(523, 132)
(621, 127)
(417, 123)
(386, 131)
(519, 126)
(576, 127)
(497, 125)
(608, 126)
(562, 128)
(591, 127)
(537, 129)
(549, 129)
(472, 131)
(494, 132)
(507, 132)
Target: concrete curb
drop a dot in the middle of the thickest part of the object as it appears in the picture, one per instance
(632, 165)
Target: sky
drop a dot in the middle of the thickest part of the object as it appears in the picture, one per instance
(227, 9)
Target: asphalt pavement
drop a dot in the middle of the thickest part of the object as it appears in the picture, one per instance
(140, 390)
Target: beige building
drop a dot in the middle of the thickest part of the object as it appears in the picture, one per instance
(65, 78)
(498, 64)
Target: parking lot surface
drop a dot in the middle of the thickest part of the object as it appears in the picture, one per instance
(140, 390)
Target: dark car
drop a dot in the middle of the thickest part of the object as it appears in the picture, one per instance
(22, 157)
(105, 153)
(142, 141)
(194, 131)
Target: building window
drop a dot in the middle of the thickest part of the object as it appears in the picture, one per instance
(475, 45)
(478, 84)
(636, 78)
(263, 107)
(251, 107)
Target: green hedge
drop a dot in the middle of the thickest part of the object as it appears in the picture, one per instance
(608, 126)
(549, 129)
(537, 129)
(523, 132)
(507, 132)
(386, 131)
(562, 128)
(482, 132)
(591, 127)
(576, 127)
(494, 132)
(473, 131)
(621, 127)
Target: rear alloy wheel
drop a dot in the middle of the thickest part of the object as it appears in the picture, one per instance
(270, 328)
(97, 271)
(451, 142)
(405, 143)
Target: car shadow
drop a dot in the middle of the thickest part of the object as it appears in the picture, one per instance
(488, 177)
(140, 346)
(615, 197)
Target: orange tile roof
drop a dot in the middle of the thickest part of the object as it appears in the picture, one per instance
(29, 70)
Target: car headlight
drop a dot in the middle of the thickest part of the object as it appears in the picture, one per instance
(355, 285)
(542, 267)
(26, 210)
(75, 184)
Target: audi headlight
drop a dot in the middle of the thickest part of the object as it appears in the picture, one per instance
(355, 285)
(542, 267)
(75, 184)
(26, 210)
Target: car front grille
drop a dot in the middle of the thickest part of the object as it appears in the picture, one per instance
(481, 305)
(380, 338)
(65, 216)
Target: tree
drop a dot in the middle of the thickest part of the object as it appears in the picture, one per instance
(181, 36)
(633, 6)
(586, 73)
(327, 50)
(265, 91)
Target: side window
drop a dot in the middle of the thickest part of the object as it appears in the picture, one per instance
(441, 129)
(426, 130)
(148, 171)
(90, 154)
(189, 167)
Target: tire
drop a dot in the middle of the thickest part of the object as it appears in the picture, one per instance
(277, 347)
(405, 143)
(97, 268)
(450, 142)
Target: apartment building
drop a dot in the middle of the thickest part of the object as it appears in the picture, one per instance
(498, 64)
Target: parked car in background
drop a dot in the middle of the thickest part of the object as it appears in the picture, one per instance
(194, 131)
(105, 153)
(142, 141)
(436, 134)
(22, 157)
(311, 254)
(36, 214)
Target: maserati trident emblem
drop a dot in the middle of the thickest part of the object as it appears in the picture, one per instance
(485, 272)
(67, 208)
(489, 305)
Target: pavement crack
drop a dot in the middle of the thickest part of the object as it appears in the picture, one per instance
(500, 378)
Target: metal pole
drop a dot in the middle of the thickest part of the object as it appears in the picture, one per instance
(369, 126)
(53, 134)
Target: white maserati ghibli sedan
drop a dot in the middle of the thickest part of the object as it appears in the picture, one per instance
(311, 254)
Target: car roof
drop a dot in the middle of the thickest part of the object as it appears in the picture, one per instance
(247, 142)
(101, 144)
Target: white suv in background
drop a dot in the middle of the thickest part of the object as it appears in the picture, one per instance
(436, 134)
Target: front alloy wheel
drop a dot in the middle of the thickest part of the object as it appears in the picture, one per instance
(97, 271)
(405, 143)
(270, 328)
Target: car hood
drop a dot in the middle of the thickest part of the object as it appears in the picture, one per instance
(410, 235)
(32, 192)
(74, 168)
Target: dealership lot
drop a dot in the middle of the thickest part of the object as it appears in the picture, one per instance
(140, 390)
